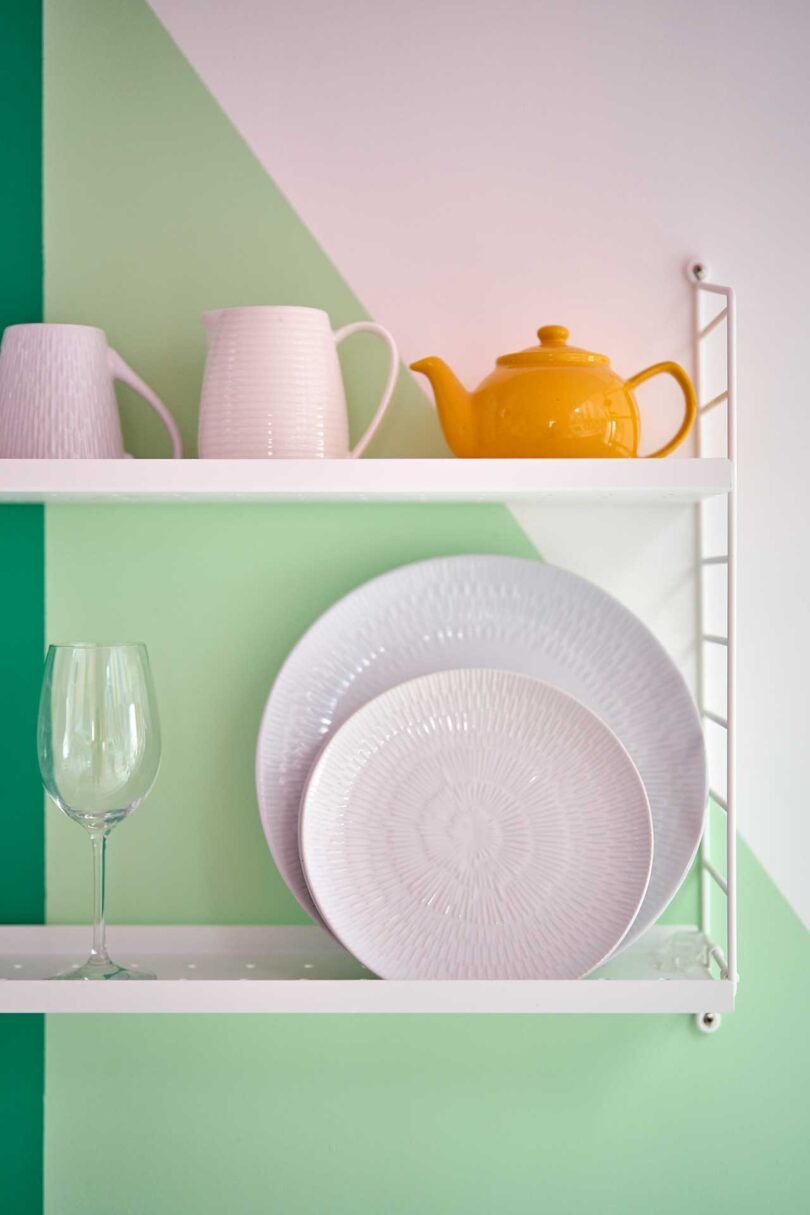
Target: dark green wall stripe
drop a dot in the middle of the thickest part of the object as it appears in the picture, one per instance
(22, 892)
(22, 611)
(21, 180)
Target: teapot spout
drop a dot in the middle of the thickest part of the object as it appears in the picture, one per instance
(454, 403)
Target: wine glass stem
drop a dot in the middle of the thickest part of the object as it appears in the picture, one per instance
(98, 839)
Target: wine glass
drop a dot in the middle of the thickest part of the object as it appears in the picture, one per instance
(98, 740)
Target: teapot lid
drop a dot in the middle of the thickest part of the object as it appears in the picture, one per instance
(553, 350)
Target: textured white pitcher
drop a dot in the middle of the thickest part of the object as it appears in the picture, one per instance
(273, 385)
(57, 399)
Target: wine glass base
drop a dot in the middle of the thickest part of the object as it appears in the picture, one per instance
(106, 970)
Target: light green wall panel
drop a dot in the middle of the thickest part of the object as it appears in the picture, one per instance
(156, 210)
(219, 594)
(444, 1116)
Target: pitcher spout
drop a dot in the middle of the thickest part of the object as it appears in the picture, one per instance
(454, 404)
(210, 321)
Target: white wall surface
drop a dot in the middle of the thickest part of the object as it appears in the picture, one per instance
(478, 169)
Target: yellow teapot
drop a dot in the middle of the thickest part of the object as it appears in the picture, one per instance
(550, 400)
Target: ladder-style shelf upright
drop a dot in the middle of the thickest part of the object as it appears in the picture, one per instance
(250, 968)
(709, 320)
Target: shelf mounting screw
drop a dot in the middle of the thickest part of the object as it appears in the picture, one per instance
(707, 1022)
(696, 270)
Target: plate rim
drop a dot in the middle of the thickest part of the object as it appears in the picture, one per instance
(343, 603)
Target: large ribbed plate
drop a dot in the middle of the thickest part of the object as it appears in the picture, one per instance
(476, 825)
(488, 611)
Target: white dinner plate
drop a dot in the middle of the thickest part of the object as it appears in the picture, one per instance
(508, 613)
(476, 824)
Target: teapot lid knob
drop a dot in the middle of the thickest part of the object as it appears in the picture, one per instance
(553, 335)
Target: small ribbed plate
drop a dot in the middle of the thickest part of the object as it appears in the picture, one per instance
(476, 824)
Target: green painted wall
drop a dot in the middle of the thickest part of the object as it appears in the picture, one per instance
(444, 1116)
(21, 609)
(21, 194)
(306, 1115)
(219, 594)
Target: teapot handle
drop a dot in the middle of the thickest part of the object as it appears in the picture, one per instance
(390, 383)
(123, 372)
(679, 375)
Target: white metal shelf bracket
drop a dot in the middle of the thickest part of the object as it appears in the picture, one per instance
(711, 879)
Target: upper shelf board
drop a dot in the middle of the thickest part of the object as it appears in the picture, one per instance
(619, 481)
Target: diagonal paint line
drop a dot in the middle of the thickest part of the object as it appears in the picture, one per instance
(423, 436)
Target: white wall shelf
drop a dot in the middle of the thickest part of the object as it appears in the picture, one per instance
(619, 481)
(271, 969)
(302, 970)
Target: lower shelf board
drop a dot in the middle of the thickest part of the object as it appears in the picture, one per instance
(302, 970)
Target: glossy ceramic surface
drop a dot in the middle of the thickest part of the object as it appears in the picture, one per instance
(273, 385)
(57, 395)
(552, 400)
(476, 824)
(487, 611)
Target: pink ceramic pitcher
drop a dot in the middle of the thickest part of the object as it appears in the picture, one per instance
(57, 396)
(273, 386)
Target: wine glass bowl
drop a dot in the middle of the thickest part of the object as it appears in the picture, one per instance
(99, 751)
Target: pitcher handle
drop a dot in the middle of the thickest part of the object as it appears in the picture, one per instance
(390, 383)
(123, 372)
(685, 384)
